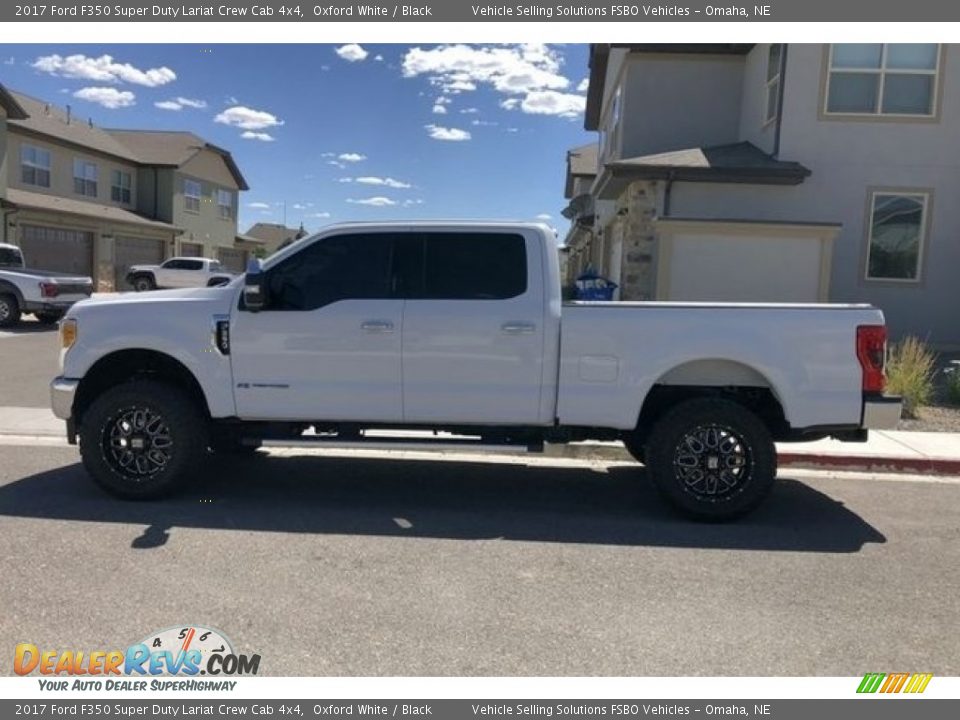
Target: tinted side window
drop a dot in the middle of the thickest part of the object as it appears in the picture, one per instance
(337, 268)
(474, 266)
(173, 265)
(192, 264)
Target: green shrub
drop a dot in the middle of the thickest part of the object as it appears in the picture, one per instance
(910, 372)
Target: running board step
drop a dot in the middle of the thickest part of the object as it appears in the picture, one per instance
(385, 443)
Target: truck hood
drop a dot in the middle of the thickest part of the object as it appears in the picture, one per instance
(187, 300)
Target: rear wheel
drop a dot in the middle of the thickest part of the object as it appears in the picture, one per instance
(143, 283)
(712, 458)
(9, 311)
(143, 439)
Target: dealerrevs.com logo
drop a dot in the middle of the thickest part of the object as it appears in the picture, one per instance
(178, 651)
(892, 683)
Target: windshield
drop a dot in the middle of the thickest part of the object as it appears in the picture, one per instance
(11, 257)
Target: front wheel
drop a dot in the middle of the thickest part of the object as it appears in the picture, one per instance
(143, 283)
(712, 458)
(143, 439)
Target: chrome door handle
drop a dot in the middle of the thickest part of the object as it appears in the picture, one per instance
(518, 328)
(377, 326)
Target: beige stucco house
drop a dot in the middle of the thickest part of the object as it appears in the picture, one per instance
(778, 172)
(79, 198)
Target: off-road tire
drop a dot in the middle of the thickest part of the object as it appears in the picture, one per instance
(712, 458)
(170, 425)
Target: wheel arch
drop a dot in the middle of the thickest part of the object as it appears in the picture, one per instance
(715, 377)
(121, 366)
(8, 288)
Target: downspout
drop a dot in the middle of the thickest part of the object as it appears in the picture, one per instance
(783, 80)
(667, 192)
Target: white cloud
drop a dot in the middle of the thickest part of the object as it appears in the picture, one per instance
(483, 123)
(351, 157)
(444, 133)
(247, 118)
(411, 203)
(261, 136)
(302, 206)
(102, 69)
(379, 58)
(10, 61)
(515, 70)
(378, 201)
(544, 216)
(336, 163)
(319, 215)
(439, 110)
(108, 97)
(584, 84)
(328, 155)
(510, 103)
(386, 182)
(550, 102)
(469, 111)
(179, 103)
(352, 52)
(258, 205)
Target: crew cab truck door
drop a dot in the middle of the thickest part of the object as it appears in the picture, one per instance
(327, 344)
(166, 275)
(473, 330)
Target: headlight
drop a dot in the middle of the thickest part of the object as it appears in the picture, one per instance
(68, 333)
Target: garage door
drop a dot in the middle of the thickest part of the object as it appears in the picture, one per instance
(135, 251)
(48, 248)
(232, 259)
(191, 249)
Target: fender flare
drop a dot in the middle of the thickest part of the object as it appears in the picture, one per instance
(8, 288)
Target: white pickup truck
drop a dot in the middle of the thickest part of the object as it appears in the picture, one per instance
(459, 328)
(44, 294)
(178, 272)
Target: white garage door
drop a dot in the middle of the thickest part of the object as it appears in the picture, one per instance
(751, 267)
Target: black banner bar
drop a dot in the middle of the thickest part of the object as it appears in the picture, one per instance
(480, 11)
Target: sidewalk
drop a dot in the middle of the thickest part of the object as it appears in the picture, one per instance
(886, 451)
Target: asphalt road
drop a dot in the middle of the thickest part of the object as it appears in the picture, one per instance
(28, 361)
(377, 566)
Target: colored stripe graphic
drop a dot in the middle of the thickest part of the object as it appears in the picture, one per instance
(894, 683)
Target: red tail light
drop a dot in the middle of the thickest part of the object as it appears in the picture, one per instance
(872, 354)
(49, 290)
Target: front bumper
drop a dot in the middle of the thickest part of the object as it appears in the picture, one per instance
(62, 393)
(881, 412)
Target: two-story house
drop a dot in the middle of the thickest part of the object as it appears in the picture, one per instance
(70, 196)
(781, 172)
(192, 184)
(82, 199)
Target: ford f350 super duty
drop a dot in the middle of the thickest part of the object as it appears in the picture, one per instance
(459, 328)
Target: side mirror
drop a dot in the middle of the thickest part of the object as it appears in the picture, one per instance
(254, 289)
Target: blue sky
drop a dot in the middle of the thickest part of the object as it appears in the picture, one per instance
(341, 132)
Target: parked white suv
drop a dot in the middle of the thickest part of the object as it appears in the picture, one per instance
(178, 272)
(45, 294)
(459, 327)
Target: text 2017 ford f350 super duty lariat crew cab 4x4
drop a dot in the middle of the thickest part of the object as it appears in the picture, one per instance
(459, 327)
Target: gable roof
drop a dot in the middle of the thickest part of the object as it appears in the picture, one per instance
(172, 148)
(9, 103)
(45, 119)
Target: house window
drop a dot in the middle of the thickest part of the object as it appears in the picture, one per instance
(225, 204)
(610, 137)
(34, 166)
(191, 196)
(120, 183)
(898, 224)
(893, 80)
(774, 56)
(85, 178)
